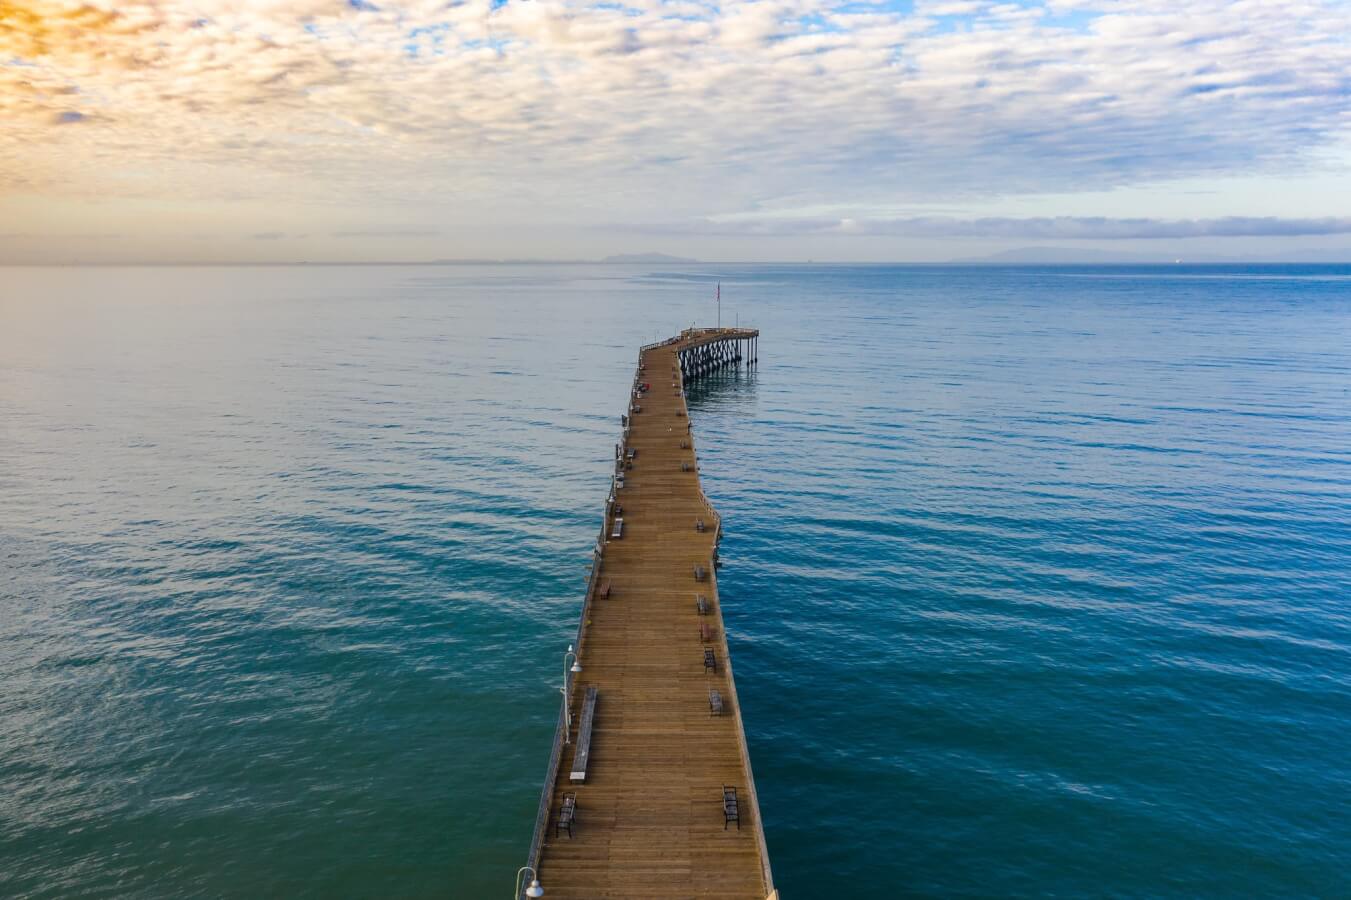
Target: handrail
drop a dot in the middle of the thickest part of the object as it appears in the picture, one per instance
(560, 730)
(709, 331)
(727, 659)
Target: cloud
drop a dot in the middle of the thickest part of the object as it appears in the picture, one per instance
(588, 111)
(1061, 227)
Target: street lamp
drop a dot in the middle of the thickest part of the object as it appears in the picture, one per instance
(567, 698)
(534, 890)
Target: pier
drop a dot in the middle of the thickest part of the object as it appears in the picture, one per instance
(649, 791)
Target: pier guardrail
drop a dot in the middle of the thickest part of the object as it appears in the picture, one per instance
(561, 729)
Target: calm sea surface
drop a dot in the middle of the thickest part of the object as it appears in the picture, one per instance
(1038, 581)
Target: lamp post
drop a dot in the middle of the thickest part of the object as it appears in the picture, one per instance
(567, 697)
(534, 890)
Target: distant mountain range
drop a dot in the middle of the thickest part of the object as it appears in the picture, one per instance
(1088, 256)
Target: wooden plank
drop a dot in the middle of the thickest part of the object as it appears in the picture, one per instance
(650, 820)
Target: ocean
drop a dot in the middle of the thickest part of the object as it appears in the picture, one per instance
(1037, 580)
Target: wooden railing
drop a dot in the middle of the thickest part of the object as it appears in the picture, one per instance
(751, 794)
(561, 730)
(542, 814)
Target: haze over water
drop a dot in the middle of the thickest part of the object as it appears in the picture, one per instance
(1038, 581)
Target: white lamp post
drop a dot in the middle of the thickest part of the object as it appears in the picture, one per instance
(567, 697)
(534, 890)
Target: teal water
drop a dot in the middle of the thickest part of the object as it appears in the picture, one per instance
(1038, 581)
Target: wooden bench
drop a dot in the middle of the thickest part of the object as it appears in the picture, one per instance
(567, 816)
(684, 445)
(583, 754)
(699, 573)
(701, 604)
(633, 453)
(680, 412)
(699, 525)
(603, 592)
(714, 702)
(730, 812)
(637, 408)
(619, 481)
(684, 466)
(705, 633)
(710, 661)
(618, 530)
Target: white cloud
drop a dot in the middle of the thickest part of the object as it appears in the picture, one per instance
(596, 112)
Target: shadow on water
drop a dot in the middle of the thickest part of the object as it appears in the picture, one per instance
(723, 389)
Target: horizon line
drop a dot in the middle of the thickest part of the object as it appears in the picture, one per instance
(147, 264)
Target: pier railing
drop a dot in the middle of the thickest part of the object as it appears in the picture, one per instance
(744, 751)
(561, 730)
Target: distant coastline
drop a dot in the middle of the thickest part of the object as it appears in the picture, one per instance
(1027, 256)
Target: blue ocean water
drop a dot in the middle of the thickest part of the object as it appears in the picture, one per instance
(1038, 580)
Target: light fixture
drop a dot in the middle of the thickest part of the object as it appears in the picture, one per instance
(534, 890)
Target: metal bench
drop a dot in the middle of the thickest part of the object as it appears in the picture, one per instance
(699, 525)
(583, 754)
(618, 530)
(705, 633)
(714, 702)
(699, 573)
(710, 661)
(633, 453)
(701, 604)
(567, 816)
(604, 591)
(730, 812)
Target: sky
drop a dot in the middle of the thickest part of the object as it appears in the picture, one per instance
(356, 130)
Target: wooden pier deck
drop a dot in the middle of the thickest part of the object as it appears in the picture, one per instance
(649, 816)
